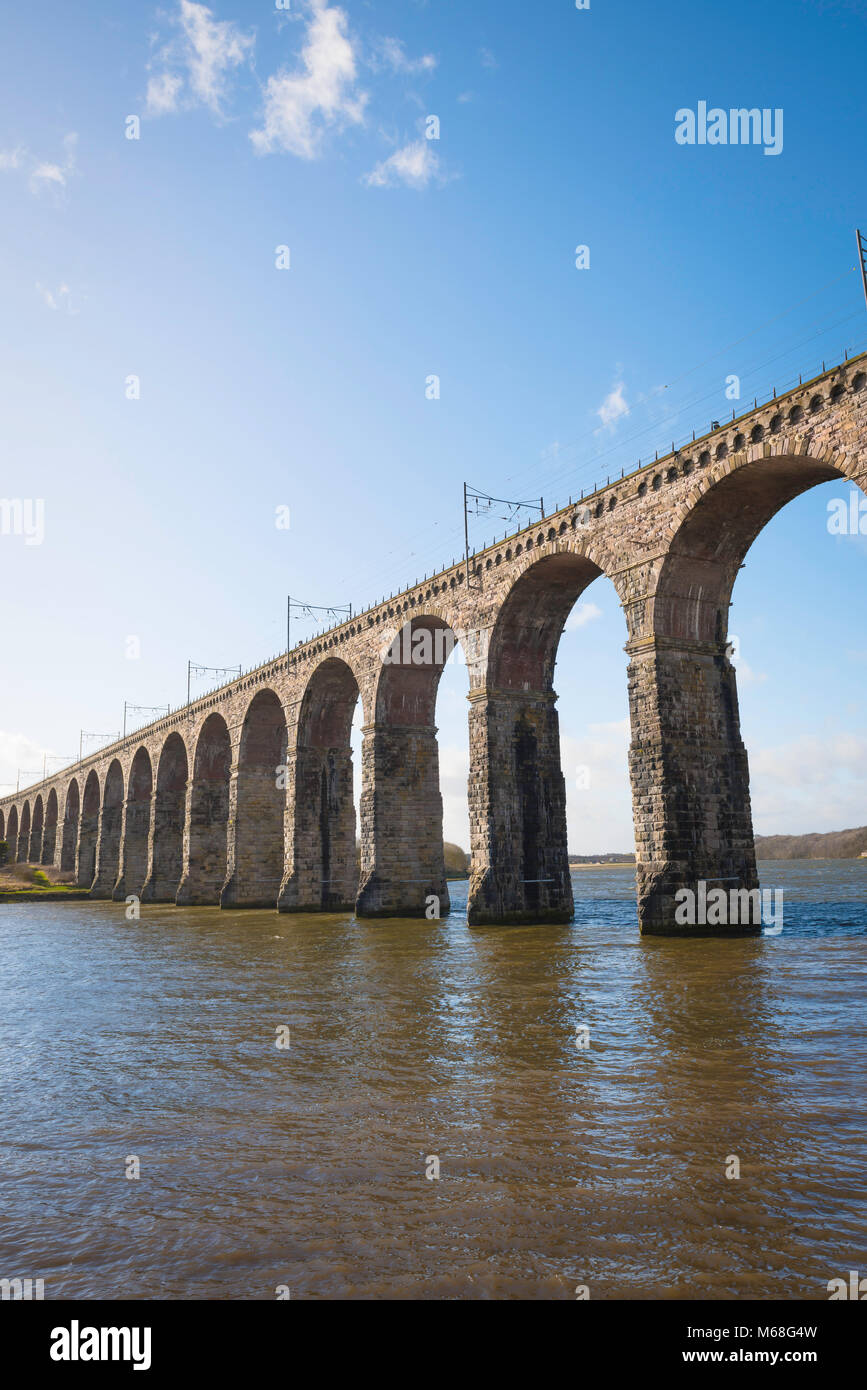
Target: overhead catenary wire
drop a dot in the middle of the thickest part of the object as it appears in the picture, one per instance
(573, 472)
(753, 331)
(548, 480)
(576, 472)
(237, 671)
(587, 434)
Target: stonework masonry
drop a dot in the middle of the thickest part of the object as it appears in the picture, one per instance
(245, 797)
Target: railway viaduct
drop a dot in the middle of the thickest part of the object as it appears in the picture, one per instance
(245, 797)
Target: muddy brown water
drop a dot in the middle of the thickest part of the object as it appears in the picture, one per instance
(305, 1166)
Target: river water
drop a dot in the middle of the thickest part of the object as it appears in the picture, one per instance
(304, 1166)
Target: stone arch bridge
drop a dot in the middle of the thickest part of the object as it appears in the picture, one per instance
(245, 797)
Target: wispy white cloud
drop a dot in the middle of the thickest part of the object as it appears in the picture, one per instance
(613, 407)
(214, 49)
(322, 94)
(51, 299)
(488, 58)
(56, 299)
(392, 53)
(319, 94)
(42, 174)
(581, 615)
(47, 173)
(415, 165)
(164, 93)
(57, 175)
(194, 67)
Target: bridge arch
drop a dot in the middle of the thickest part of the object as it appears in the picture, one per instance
(49, 838)
(712, 531)
(109, 838)
(260, 806)
(12, 834)
(688, 763)
(411, 660)
(401, 804)
(321, 869)
(89, 832)
(530, 621)
(517, 791)
(71, 815)
(23, 852)
(36, 831)
(2, 825)
(206, 862)
(169, 818)
(136, 827)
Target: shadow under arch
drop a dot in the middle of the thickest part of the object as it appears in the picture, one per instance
(85, 861)
(517, 792)
(49, 838)
(110, 826)
(169, 814)
(321, 874)
(12, 834)
(531, 619)
(136, 828)
(23, 851)
(205, 865)
(260, 806)
(402, 862)
(36, 831)
(688, 763)
(69, 841)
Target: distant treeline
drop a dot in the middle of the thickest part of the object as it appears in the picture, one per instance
(601, 858)
(839, 844)
(457, 861)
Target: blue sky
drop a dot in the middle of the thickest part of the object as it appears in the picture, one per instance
(304, 387)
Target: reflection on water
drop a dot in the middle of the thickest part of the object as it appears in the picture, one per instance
(559, 1165)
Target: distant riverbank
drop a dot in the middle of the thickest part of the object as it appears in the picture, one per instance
(601, 861)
